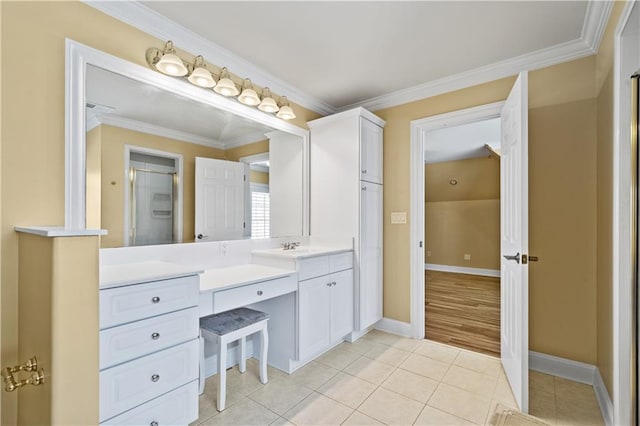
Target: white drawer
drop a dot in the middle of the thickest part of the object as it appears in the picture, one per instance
(128, 385)
(178, 407)
(313, 267)
(129, 341)
(126, 304)
(253, 293)
(341, 261)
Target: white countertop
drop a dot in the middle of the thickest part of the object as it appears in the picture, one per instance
(239, 275)
(300, 252)
(132, 273)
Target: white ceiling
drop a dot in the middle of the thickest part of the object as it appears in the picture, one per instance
(348, 53)
(146, 108)
(462, 142)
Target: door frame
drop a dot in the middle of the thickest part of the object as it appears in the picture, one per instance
(128, 149)
(624, 65)
(419, 130)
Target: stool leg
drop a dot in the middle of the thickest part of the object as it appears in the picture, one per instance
(222, 372)
(202, 377)
(264, 345)
(243, 354)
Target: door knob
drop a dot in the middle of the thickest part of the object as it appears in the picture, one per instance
(515, 257)
(200, 236)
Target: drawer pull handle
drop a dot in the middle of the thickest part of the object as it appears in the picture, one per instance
(329, 284)
(155, 299)
(364, 171)
(155, 378)
(155, 336)
(153, 423)
(333, 283)
(259, 292)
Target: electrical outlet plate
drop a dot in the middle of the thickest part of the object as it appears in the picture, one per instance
(467, 257)
(398, 217)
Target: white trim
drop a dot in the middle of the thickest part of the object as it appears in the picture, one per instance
(92, 122)
(77, 57)
(245, 139)
(604, 400)
(157, 25)
(595, 23)
(562, 367)
(179, 163)
(622, 262)
(263, 156)
(419, 129)
(258, 187)
(578, 372)
(355, 112)
(462, 270)
(58, 231)
(154, 129)
(394, 327)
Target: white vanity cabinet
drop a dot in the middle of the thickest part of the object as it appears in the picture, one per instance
(346, 191)
(149, 351)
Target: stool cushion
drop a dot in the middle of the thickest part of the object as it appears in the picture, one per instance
(235, 319)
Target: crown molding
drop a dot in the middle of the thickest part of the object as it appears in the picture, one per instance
(157, 25)
(595, 22)
(153, 129)
(244, 139)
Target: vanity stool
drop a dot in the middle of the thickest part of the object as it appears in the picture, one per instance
(225, 328)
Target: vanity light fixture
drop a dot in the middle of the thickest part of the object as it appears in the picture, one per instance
(248, 95)
(268, 104)
(286, 112)
(226, 86)
(170, 63)
(201, 76)
(197, 73)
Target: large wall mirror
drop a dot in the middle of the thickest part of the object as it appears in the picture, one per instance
(154, 160)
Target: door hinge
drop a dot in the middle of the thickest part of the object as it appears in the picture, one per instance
(244, 178)
(420, 244)
(524, 259)
(244, 224)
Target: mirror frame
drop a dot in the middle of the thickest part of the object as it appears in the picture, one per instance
(77, 57)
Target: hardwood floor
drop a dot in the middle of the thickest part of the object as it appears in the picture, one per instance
(463, 310)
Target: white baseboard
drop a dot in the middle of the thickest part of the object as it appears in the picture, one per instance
(393, 326)
(604, 400)
(463, 270)
(578, 372)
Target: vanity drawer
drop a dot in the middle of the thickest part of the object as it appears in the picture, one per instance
(178, 407)
(253, 293)
(341, 261)
(313, 267)
(126, 304)
(128, 385)
(129, 341)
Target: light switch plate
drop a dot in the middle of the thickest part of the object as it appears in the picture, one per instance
(467, 257)
(398, 217)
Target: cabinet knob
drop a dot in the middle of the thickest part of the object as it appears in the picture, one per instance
(333, 283)
(364, 188)
(155, 378)
(153, 423)
(328, 284)
(259, 292)
(155, 336)
(155, 299)
(364, 172)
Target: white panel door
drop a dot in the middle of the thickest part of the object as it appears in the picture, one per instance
(514, 220)
(370, 151)
(314, 305)
(219, 200)
(341, 304)
(370, 279)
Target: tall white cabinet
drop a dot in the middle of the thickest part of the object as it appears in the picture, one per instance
(346, 198)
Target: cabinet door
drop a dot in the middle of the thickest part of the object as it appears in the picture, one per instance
(341, 304)
(314, 325)
(370, 282)
(370, 151)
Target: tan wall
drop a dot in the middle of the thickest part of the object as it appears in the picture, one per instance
(259, 177)
(234, 154)
(456, 228)
(463, 218)
(33, 33)
(113, 141)
(568, 154)
(604, 255)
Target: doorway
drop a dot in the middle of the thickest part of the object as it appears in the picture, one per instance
(462, 235)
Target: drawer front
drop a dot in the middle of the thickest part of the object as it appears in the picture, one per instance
(178, 407)
(341, 261)
(136, 382)
(313, 267)
(129, 341)
(252, 293)
(131, 303)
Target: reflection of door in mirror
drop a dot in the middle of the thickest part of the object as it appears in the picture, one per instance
(152, 205)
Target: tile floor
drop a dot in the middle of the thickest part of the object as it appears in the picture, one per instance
(387, 379)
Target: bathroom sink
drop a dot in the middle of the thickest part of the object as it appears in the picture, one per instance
(302, 251)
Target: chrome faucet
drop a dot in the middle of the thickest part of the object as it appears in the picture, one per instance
(290, 246)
